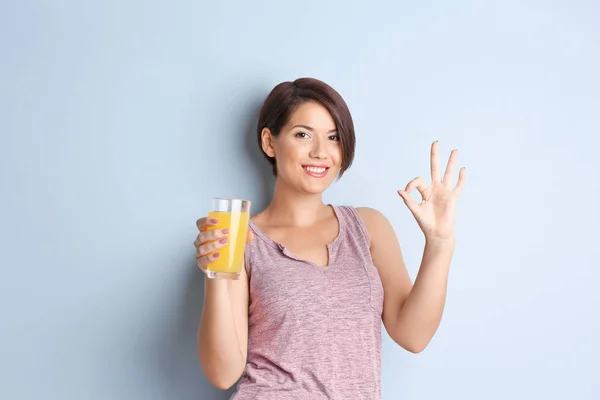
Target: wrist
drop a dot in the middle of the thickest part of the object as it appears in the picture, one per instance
(440, 242)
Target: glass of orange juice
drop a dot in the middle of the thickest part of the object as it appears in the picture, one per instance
(233, 214)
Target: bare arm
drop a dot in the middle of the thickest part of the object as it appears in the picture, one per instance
(421, 314)
(411, 313)
(223, 328)
(419, 317)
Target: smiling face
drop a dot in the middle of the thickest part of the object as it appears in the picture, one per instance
(307, 150)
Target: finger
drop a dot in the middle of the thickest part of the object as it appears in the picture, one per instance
(419, 184)
(250, 236)
(449, 174)
(462, 176)
(203, 261)
(205, 222)
(210, 235)
(212, 246)
(435, 163)
(408, 200)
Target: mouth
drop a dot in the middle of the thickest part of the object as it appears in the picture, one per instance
(316, 171)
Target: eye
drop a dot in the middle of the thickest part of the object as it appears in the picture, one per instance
(334, 138)
(302, 135)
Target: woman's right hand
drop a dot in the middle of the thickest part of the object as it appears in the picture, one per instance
(209, 241)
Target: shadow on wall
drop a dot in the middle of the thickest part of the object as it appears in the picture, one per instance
(260, 171)
(179, 348)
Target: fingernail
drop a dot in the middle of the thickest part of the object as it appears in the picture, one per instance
(214, 221)
(225, 231)
(216, 255)
(224, 240)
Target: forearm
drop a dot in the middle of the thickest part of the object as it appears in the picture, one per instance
(219, 347)
(420, 316)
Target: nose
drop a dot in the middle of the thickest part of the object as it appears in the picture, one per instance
(318, 149)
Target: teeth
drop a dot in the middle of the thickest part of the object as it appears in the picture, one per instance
(315, 169)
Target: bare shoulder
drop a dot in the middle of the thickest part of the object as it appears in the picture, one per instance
(374, 221)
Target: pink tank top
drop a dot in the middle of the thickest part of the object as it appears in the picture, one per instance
(313, 332)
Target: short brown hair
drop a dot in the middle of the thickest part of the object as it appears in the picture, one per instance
(283, 100)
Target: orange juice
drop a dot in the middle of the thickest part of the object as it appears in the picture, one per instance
(232, 254)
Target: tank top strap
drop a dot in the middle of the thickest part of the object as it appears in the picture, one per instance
(354, 230)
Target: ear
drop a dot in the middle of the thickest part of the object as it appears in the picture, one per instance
(267, 141)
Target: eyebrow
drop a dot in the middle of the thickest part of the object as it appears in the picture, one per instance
(311, 129)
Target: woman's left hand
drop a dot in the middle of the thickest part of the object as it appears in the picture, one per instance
(437, 211)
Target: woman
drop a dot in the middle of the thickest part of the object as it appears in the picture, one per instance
(304, 319)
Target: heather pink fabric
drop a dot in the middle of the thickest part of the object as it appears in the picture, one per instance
(313, 332)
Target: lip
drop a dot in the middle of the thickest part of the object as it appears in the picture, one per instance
(315, 166)
(313, 173)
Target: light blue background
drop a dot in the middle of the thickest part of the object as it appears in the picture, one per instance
(119, 120)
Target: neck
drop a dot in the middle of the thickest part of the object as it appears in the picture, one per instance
(289, 207)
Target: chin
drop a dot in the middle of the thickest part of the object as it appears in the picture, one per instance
(306, 184)
(315, 187)
(314, 190)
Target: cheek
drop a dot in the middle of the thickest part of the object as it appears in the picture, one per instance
(336, 155)
(287, 153)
